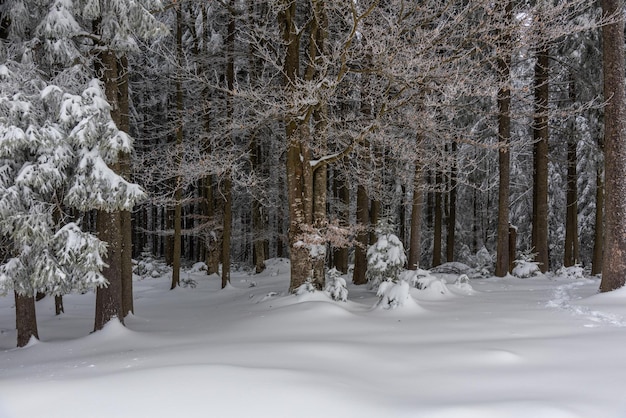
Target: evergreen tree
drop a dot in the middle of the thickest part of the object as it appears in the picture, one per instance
(55, 152)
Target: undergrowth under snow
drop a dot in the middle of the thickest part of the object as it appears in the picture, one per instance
(546, 346)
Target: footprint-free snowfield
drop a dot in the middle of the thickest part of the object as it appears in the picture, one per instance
(547, 346)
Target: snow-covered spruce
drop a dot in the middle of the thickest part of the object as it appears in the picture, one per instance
(55, 147)
(336, 287)
(385, 259)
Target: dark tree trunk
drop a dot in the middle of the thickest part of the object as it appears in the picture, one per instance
(598, 237)
(25, 319)
(504, 156)
(109, 300)
(58, 305)
(415, 248)
(342, 194)
(227, 188)
(570, 256)
(213, 249)
(614, 259)
(452, 207)
(540, 135)
(360, 251)
(512, 247)
(227, 231)
(178, 193)
(437, 233)
(125, 167)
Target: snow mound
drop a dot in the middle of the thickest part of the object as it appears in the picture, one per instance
(453, 267)
(392, 296)
(524, 269)
(198, 267)
(112, 331)
(572, 273)
(462, 286)
(276, 266)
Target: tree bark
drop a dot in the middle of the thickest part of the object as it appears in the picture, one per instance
(227, 230)
(25, 319)
(614, 259)
(109, 300)
(212, 237)
(178, 193)
(125, 167)
(504, 138)
(598, 237)
(437, 233)
(570, 254)
(415, 247)
(227, 191)
(58, 305)
(540, 135)
(452, 207)
(362, 239)
(342, 194)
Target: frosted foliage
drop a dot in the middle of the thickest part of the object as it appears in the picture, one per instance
(336, 287)
(59, 22)
(385, 260)
(120, 23)
(55, 146)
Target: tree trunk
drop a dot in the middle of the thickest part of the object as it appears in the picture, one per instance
(437, 233)
(227, 230)
(598, 237)
(58, 305)
(504, 156)
(260, 242)
(25, 319)
(178, 193)
(362, 239)
(614, 259)
(125, 167)
(540, 135)
(512, 247)
(415, 247)
(452, 207)
(570, 256)
(109, 300)
(342, 194)
(227, 185)
(212, 243)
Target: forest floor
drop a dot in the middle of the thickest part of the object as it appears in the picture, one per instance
(546, 346)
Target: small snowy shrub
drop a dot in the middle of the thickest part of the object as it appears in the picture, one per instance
(385, 259)
(306, 287)
(336, 286)
(574, 272)
(198, 267)
(526, 266)
(149, 266)
(415, 278)
(462, 283)
(393, 295)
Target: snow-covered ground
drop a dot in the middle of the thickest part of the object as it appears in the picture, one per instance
(529, 348)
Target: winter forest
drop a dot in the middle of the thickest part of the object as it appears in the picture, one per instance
(368, 144)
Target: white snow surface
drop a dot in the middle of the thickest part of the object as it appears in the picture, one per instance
(543, 347)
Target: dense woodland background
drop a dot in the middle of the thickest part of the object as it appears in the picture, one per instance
(471, 129)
